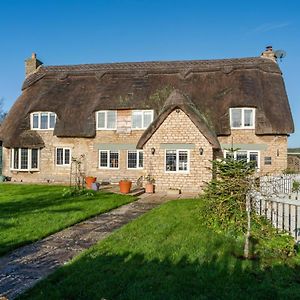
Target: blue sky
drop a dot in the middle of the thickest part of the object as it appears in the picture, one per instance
(75, 32)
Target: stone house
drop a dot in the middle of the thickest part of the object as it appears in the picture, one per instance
(167, 119)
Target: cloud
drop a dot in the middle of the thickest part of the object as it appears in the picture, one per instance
(271, 26)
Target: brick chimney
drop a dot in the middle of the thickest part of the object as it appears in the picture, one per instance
(31, 64)
(269, 53)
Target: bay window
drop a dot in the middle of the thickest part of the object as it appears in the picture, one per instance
(24, 159)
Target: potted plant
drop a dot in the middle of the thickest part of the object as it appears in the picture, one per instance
(149, 186)
(89, 180)
(125, 186)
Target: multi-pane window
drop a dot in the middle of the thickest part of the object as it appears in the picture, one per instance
(108, 159)
(63, 156)
(177, 161)
(106, 119)
(24, 159)
(242, 118)
(141, 119)
(43, 120)
(135, 159)
(247, 155)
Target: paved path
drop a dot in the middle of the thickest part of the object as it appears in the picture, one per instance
(22, 268)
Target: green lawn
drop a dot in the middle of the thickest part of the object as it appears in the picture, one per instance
(31, 212)
(169, 254)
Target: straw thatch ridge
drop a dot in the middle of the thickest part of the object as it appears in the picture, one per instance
(177, 100)
(76, 92)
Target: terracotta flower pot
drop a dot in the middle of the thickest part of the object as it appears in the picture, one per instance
(125, 186)
(89, 180)
(149, 188)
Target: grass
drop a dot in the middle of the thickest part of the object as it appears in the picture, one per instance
(31, 212)
(169, 254)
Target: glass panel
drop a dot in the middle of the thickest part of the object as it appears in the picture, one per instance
(182, 160)
(52, 120)
(59, 156)
(132, 159)
(103, 159)
(35, 121)
(101, 119)
(114, 159)
(111, 119)
(44, 120)
(241, 155)
(171, 160)
(16, 158)
(236, 117)
(229, 155)
(254, 158)
(67, 156)
(34, 158)
(136, 119)
(141, 159)
(24, 159)
(268, 160)
(248, 117)
(147, 118)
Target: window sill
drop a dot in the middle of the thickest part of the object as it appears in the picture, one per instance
(14, 171)
(239, 128)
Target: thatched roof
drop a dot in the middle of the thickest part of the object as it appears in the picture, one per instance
(75, 92)
(174, 101)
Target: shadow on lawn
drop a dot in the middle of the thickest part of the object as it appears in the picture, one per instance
(37, 202)
(134, 277)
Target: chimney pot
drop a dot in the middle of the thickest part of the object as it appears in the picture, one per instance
(33, 55)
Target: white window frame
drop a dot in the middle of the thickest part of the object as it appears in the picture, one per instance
(105, 119)
(108, 159)
(137, 159)
(64, 155)
(29, 158)
(39, 113)
(243, 117)
(248, 155)
(177, 162)
(142, 112)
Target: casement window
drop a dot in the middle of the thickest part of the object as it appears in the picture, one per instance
(106, 120)
(268, 160)
(247, 155)
(177, 161)
(242, 118)
(43, 120)
(141, 119)
(25, 159)
(135, 159)
(63, 156)
(108, 159)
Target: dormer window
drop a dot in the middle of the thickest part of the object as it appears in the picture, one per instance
(141, 119)
(106, 120)
(43, 120)
(242, 118)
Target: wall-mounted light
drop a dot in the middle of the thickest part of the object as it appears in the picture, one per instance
(152, 151)
(277, 152)
(201, 151)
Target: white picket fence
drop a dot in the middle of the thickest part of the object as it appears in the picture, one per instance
(281, 184)
(278, 204)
